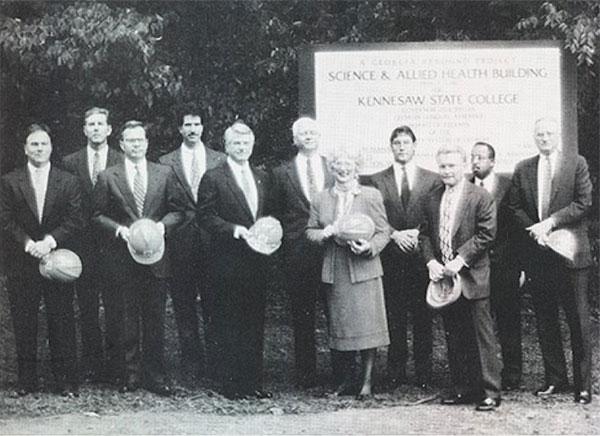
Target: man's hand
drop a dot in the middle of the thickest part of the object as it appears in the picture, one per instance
(40, 248)
(540, 231)
(453, 267)
(240, 232)
(161, 228)
(407, 240)
(436, 270)
(123, 233)
(359, 247)
(329, 231)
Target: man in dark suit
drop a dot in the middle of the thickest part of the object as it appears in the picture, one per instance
(504, 269)
(295, 183)
(87, 164)
(404, 186)
(124, 193)
(459, 229)
(553, 191)
(40, 211)
(189, 247)
(230, 199)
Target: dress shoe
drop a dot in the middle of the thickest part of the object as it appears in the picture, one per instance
(548, 390)
(260, 394)
(488, 404)
(164, 390)
(583, 397)
(456, 399)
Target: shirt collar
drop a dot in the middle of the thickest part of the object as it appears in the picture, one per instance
(456, 188)
(487, 179)
(101, 150)
(130, 166)
(43, 169)
(236, 166)
(190, 150)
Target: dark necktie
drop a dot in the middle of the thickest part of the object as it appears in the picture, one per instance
(404, 189)
(95, 168)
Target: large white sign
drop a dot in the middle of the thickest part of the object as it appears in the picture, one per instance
(446, 95)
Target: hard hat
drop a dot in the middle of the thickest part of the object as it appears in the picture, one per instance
(146, 242)
(443, 292)
(353, 227)
(61, 265)
(265, 235)
(564, 242)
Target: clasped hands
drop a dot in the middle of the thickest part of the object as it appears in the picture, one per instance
(39, 249)
(357, 247)
(406, 240)
(437, 271)
(540, 231)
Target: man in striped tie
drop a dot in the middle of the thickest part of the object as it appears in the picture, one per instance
(460, 225)
(135, 304)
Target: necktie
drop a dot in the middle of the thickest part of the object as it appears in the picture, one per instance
(445, 229)
(249, 193)
(312, 180)
(547, 187)
(481, 184)
(95, 168)
(139, 191)
(39, 193)
(195, 176)
(404, 190)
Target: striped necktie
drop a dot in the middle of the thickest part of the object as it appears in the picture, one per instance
(95, 168)
(312, 180)
(139, 191)
(195, 175)
(445, 229)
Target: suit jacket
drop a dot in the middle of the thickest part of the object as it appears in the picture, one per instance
(221, 207)
(187, 240)
(473, 233)
(322, 213)
(114, 206)
(570, 203)
(401, 218)
(503, 249)
(292, 208)
(62, 216)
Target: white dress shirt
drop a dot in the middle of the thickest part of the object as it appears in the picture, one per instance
(102, 154)
(39, 181)
(130, 172)
(411, 173)
(317, 167)
(187, 157)
(237, 169)
(489, 182)
(540, 178)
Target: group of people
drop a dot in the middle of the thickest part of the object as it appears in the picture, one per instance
(484, 229)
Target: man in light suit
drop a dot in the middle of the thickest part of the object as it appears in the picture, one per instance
(124, 193)
(404, 186)
(87, 164)
(230, 200)
(40, 211)
(504, 269)
(553, 191)
(189, 246)
(459, 229)
(295, 184)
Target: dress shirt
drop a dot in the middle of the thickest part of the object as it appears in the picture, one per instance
(317, 166)
(411, 172)
(102, 153)
(39, 181)
(540, 178)
(130, 173)
(489, 182)
(187, 157)
(236, 168)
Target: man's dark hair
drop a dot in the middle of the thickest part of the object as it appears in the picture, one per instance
(491, 151)
(188, 109)
(96, 110)
(36, 127)
(130, 125)
(402, 130)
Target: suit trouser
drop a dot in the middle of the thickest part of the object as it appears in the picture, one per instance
(25, 293)
(239, 320)
(473, 351)
(135, 309)
(404, 289)
(506, 306)
(553, 286)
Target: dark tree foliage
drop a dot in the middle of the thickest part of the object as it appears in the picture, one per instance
(237, 59)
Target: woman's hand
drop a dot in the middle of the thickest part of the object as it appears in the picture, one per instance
(359, 247)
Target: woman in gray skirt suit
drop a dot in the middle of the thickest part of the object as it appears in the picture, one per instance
(355, 301)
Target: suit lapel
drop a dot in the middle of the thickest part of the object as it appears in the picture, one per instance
(389, 183)
(464, 201)
(260, 192)
(82, 169)
(292, 172)
(562, 170)
(435, 202)
(51, 192)
(121, 181)
(236, 190)
(151, 187)
(532, 174)
(26, 186)
(177, 165)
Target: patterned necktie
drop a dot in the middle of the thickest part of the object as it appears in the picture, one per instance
(95, 168)
(404, 189)
(547, 187)
(195, 176)
(248, 191)
(139, 191)
(312, 180)
(445, 229)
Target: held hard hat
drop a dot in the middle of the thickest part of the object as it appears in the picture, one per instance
(443, 292)
(353, 227)
(564, 243)
(61, 265)
(146, 242)
(265, 235)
